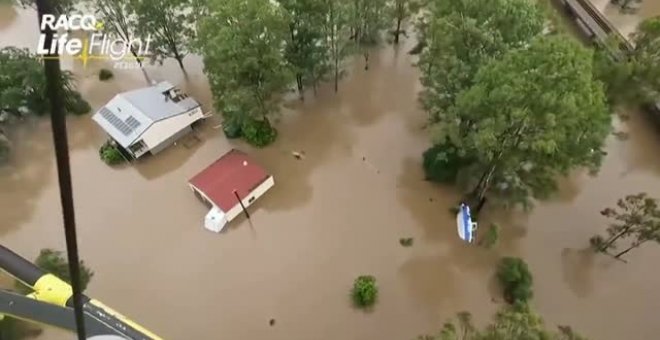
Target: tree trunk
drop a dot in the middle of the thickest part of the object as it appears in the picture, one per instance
(613, 239)
(483, 189)
(301, 92)
(398, 30)
(336, 73)
(178, 57)
(635, 245)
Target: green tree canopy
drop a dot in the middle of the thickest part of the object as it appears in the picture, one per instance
(517, 322)
(531, 115)
(170, 23)
(463, 35)
(307, 49)
(635, 217)
(242, 43)
(367, 20)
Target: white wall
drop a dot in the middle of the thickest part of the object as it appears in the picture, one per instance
(256, 193)
(161, 130)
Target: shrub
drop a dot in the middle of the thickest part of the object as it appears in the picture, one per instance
(110, 154)
(407, 241)
(364, 291)
(232, 129)
(515, 279)
(105, 74)
(442, 163)
(491, 236)
(258, 133)
(76, 105)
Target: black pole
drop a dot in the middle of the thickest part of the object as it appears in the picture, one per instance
(247, 214)
(58, 121)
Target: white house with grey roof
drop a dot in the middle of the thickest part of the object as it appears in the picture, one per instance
(149, 119)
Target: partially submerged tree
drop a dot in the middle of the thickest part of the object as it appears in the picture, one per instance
(242, 44)
(117, 18)
(510, 323)
(633, 77)
(462, 36)
(337, 34)
(530, 116)
(400, 11)
(171, 25)
(516, 280)
(307, 49)
(23, 86)
(635, 217)
(367, 20)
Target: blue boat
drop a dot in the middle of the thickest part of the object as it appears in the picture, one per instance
(466, 228)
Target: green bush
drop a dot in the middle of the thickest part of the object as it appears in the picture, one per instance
(442, 163)
(232, 129)
(491, 236)
(105, 74)
(365, 291)
(258, 133)
(76, 105)
(110, 154)
(515, 279)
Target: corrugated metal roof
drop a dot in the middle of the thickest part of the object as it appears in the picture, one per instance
(129, 114)
(234, 171)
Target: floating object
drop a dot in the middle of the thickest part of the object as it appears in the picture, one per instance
(466, 228)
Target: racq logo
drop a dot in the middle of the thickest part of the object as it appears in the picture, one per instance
(94, 45)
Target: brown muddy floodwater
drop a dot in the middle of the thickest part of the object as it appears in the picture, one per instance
(330, 218)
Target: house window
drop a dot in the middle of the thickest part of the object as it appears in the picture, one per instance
(137, 147)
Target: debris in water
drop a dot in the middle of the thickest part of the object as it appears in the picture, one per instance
(364, 158)
(271, 322)
(431, 199)
(299, 155)
(406, 242)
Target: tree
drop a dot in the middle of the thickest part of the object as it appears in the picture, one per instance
(117, 18)
(367, 20)
(515, 279)
(170, 23)
(242, 45)
(23, 85)
(365, 291)
(399, 11)
(23, 91)
(633, 77)
(635, 216)
(59, 7)
(307, 50)
(517, 322)
(462, 35)
(337, 34)
(530, 116)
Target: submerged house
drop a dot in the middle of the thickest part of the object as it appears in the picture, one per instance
(229, 185)
(149, 119)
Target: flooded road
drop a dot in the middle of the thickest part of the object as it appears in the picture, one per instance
(335, 215)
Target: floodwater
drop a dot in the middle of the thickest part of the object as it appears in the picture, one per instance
(626, 23)
(337, 214)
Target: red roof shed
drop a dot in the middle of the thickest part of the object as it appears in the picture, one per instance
(234, 171)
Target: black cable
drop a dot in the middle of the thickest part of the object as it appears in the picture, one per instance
(58, 121)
